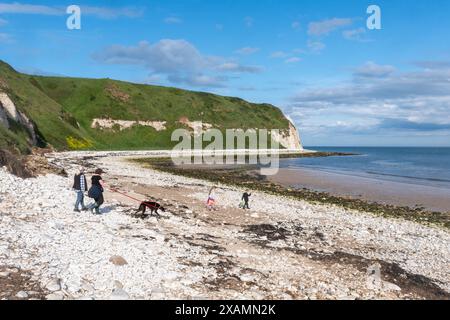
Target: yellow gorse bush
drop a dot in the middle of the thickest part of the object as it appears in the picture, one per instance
(76, 144)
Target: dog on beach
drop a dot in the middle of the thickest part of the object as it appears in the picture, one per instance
(152, 206)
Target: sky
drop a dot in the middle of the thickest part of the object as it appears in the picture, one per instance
(341, 83)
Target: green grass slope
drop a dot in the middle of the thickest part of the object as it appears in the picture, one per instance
(65, 107)
(53, 124)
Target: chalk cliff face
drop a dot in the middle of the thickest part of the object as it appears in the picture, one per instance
(124, 124)
(289, 139)
(3, 117)
(9, 111)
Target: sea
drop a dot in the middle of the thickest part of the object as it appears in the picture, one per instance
(413, 165)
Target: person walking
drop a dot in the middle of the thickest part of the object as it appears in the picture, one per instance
(96, 191)
(245, 198)
(211, 199)
(80, 186)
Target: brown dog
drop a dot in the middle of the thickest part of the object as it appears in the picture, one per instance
(152, 206)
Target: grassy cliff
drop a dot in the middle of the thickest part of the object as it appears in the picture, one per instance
(63, 109)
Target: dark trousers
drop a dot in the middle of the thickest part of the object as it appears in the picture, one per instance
(98, 202)
(246, 205)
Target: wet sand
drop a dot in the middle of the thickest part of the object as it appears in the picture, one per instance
(366, 188)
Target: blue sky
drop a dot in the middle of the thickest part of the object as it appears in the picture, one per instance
(341, 83)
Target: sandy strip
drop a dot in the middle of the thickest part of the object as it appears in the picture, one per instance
(370, 189)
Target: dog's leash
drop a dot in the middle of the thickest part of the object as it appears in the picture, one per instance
(126, 195)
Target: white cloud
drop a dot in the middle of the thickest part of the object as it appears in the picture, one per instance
(172, 20)
(3, 22)
(430, 65)
(315, 46)
(236, 67)
(111, 13)
(29, 9)
(279, 55)
(247, 50)
(379, 99)
(163, 57)
(293, 60)
(373, 70)
(355, 34)
(101, 12)
(179, 60)
(325, 27)
(199, 80)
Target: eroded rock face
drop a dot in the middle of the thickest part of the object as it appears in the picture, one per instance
(30, 127)
(3, 118)
(9, 110)
(125, 124)
(14, 164)
(290, 139)
(8, 106)
(115, 93)
(196, 126)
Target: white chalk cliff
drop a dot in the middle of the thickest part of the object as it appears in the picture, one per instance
(9, 111)
(289, 139)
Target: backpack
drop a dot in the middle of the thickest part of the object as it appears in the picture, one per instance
(94, 192)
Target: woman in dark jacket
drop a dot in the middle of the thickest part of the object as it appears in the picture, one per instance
(96, 191)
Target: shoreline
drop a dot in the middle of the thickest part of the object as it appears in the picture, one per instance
(283, 248)
(247, 177)
(282, 153)
(397, 193)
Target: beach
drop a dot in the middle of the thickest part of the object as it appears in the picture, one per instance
(283, 248)
(369, 189)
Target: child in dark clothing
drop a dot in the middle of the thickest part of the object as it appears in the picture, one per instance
(245, 198)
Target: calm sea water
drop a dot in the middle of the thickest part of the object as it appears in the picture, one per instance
(423, 166)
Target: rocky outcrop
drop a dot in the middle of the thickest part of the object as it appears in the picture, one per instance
(126, 124)
(9, 111)
(14, 164)
(3, 118)
(196, 126)
(289, 139)
(28, 166)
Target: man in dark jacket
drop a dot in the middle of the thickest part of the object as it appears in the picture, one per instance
(80, 186)
(245, 198)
